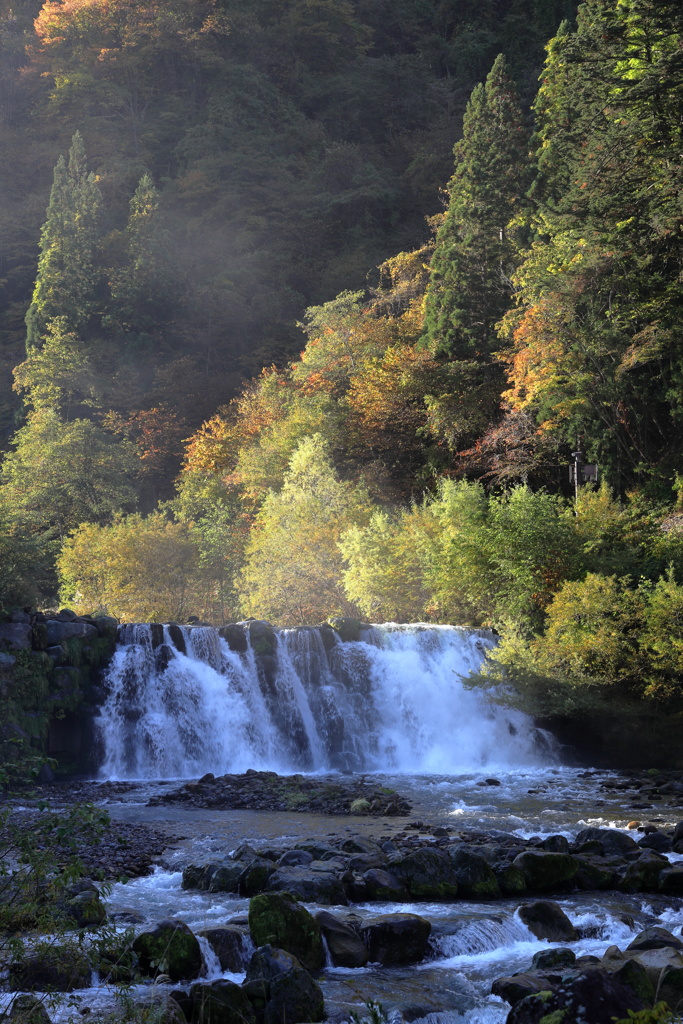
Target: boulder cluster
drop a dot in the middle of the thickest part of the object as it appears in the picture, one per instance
(470, 865)
(592, 990)
(268, 791)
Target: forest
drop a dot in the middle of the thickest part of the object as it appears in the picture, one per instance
(307, 307)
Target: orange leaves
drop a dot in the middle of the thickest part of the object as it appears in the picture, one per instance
(539, 355)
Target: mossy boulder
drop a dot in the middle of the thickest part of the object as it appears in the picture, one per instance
(543, 870)
(262, 638)
(221, 1002)
(276, 918)
(396, 939)
(27, 1009)
(51, 967)
(427, 874)
(547, 920)
(294, 996)
(86, 908)
(475, 877)
(347, 629)
(169, 948)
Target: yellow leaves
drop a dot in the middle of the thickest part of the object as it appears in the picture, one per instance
(539, 353)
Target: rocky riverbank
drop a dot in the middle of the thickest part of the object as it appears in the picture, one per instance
(268, 791)
(468, 865)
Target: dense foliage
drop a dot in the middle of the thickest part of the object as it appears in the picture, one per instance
(411, 462)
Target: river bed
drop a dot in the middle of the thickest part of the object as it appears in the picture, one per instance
(472, 943)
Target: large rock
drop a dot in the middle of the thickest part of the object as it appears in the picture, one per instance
(221, 1002)
(595, 997)
(58, 632)
(384, 885)
(169, 948)
(86, 908)
(475, 877)
(228, 945)
(544, 870)
(15, 635)
(547, 920)
(294, 996)
(50, 968)
(427, 874)
(644, 873)
(277, 919)
(255, 876)
(314, 883)
(514, 987)
(396, 939)
(671, 881)
(655, 937)
(27, 1009)
(346, 947)
(613, 842)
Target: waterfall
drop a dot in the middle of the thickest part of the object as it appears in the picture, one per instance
(182, 701)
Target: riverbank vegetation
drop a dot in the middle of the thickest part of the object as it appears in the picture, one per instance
(171, 456)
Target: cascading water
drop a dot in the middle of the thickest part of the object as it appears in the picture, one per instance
(181, 702)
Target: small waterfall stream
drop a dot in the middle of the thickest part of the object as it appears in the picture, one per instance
(183, 701)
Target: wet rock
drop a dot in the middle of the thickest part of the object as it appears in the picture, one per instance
(555, 844)
(511, 880)
(294, 996)
(235, 637)
(612, 842)
(86, 908)
(475, 878)
(346, 947)
(256, 876)
(553, 959)
(547, 920)
(292, 857)
(169, 948)
(671, 881)
(543, 870)
(228, 945)
(323, 887)
(517, 986)
(53, 968)
(221, 1002)
(383, 885)
(347, 629)
(643, 874)
(27, 1009)
(655, 937)
(427, 874)
(262, 638)
(394, 939)
(657, 841)
(595, 997)
(277, 919)
(595, 873)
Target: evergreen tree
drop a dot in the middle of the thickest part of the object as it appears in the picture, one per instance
(144, 291)
(68, 272)
(475, 255)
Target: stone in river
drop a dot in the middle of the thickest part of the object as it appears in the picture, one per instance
(543, 870)
(383, 885)
(428, 874)
(169, 948)
(294, 996)
(228, 945)
(396, 939)
(547, 920)
(475, 877)
(221, 1002)
(346, 947)
(276, 918)
(613, 842)
(308, 884)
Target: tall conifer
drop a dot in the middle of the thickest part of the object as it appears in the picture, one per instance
(68, 272)
(469, 288)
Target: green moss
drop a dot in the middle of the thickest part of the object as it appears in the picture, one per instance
(278, 919)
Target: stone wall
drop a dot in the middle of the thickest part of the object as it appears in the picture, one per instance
(50, 683)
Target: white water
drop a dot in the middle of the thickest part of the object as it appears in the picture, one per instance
(394, 701)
